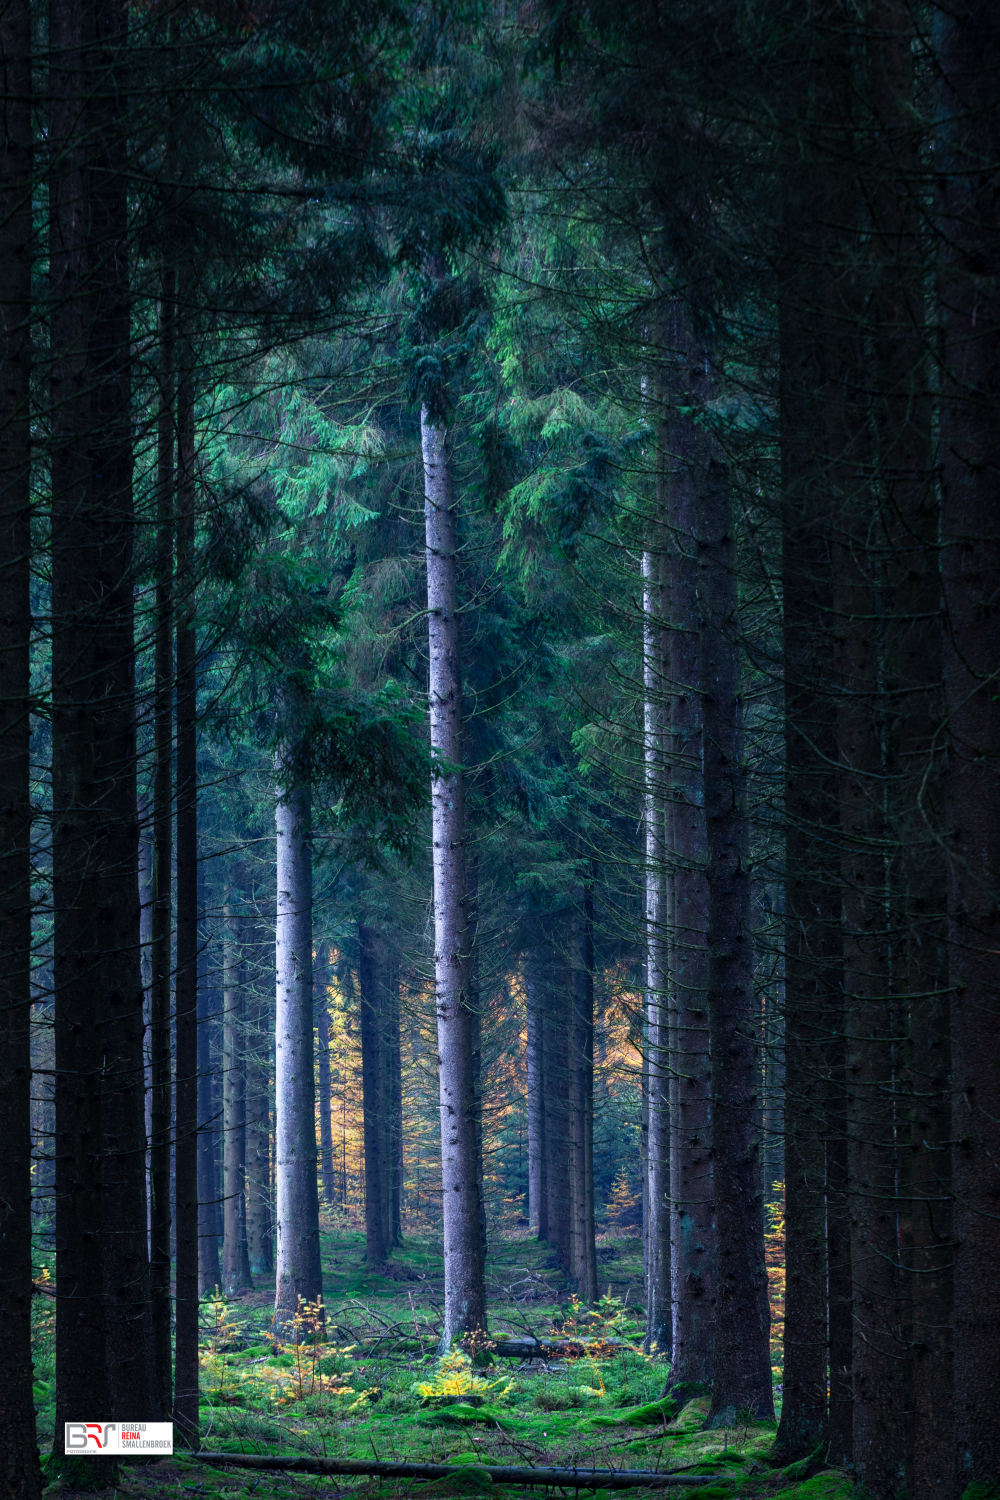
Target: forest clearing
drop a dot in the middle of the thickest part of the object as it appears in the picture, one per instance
(500, 748)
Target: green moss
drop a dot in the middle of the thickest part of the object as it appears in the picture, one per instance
(982, 1489)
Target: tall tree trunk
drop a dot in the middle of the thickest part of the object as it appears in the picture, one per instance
(968, 57)
(236, 1276)
(537, 1155)
(555, 1050)
(104, 1327)
(186, 983)
(656, 1226)
(299, 1274)
(693, 1265)
(584, 1265)
(20, 1474)
(465, 1293)
(258, 1186)
(209, 1114)
(813, 949)
(476, 1024)
(371, 976)
(323, 1043)
(161, 1100)
(394, 1063)
(742, 1376)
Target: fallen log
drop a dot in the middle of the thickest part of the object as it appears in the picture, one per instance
(528, 1348)
(581, 1479)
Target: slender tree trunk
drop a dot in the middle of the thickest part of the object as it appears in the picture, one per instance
(259, 1231)
(742, 1376)
(371, 974)
(186, 983)
(813, 949)
(476, 1026)
(693, 1265)
(395, 1104)
(299, 1275)
(465, 1295)
(20, 1474)
(537, 1217)
(323, 1043)
(160, 956)
(236, 1276)
(209, 1113)
(556, 1096)
(969, 246)
(656, 1227)
(584, 1266)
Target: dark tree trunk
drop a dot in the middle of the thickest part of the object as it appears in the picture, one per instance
(371, 977)
(693, 1269)
(555, 1048)
(584, 1265)
(103, 1322)
(969, 244)
(537, 1155)
(236, 1276)
(394, 1063)
(186, 983)
(160, 1049)
(465, 1294)
(813, 949)
(656, 1224)
(209, 1115)
(20, 1474)
(258, 1189)
(299, 1273)
(323, 1059)
(742, 1375)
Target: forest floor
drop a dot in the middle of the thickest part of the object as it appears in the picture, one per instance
(367, 1384)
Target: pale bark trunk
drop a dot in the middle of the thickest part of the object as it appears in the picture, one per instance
(742, 1374)
(236, 1276)
(299, 1275)
(20, 1474)
(465, 1296)
(656, 1227)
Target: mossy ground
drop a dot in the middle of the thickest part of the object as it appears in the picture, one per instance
(352, 1395)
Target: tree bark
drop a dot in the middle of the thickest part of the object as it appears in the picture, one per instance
(323, 1043)
(371, 977)
(537, 1155)
(555, 1050)
(969, 249)
(395, 1102)
(20, 1474)
(209, 1115)
(299, 1274)
(813, 949)
(161, 1100)
(236, 1276)
(584, 1266)
(465, 1295)
(656, 1226)
(186, 982)
(258, 1189)
(693, 1268)
(742, 1375)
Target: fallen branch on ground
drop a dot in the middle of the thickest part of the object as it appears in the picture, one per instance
(581, 1479)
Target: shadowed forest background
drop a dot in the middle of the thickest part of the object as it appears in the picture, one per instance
(499, 733)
